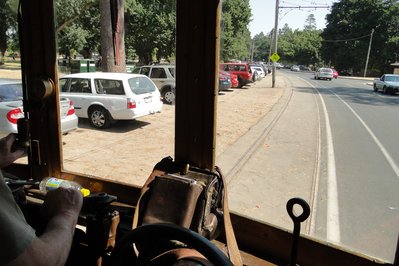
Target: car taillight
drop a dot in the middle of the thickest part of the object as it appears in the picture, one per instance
(131, 104)
(14, 115)
(71, 109)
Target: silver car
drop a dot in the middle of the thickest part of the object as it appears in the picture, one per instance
(324, 73)
(11, 109)
(164, 77)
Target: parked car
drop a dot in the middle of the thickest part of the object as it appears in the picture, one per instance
(259, 70)
(224, 81)
(335, 73)
(11, 109)
(242, 70)
(234, 80)
(104, 98)
(164, 78)
(295, 68)
(388, 84)
(324, 73)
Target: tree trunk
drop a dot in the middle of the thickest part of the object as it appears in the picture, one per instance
(113, 56)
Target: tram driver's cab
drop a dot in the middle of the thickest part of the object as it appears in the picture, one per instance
(180, 216)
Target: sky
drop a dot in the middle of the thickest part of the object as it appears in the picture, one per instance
(263, 14)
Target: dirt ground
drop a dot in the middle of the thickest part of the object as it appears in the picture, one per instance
(128, 150)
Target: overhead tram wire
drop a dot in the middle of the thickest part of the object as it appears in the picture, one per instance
(348, 40)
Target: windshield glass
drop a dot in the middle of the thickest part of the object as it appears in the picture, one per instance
(141, 85)
(289, 134)
(392, 78)
(10, 92)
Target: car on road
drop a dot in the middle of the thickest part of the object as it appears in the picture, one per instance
(242, 70)
(11, 109)
(388, 84)
(104, 98)
(295, 68)
(164, 78)
(335, 73)
(324, 73)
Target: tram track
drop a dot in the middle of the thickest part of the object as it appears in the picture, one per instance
(257, 134)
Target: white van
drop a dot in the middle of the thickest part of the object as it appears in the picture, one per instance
(106, 97)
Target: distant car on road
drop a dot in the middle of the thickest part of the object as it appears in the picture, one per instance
(104, 98)
(295, 68)
(11, 109)
(335, 73)
(388, 84)
(324, 73)
(164, 78)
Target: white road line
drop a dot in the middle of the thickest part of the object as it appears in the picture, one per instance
(388, 157)
(333, 230)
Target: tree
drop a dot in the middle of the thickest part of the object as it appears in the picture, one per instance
(7, 26)
(151, 29)
(112, 36)
(77, 28)
(262, 45)
(235, 36)
(347, 34)
(310, 23)
(300, 47)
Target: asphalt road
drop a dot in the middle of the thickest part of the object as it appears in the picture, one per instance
(358, 181)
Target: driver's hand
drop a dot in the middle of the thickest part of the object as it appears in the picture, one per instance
(62, 201)
(7, 154)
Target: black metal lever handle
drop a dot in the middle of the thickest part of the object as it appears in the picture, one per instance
(297, 219)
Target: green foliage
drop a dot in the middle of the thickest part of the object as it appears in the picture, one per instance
(310, 23)
(151, 29)
(78, 27)
(8, 24)
(262, 45)
(300, 47)
(235, 37)
(348, 30)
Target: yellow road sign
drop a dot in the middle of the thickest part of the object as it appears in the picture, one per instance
(274, 57)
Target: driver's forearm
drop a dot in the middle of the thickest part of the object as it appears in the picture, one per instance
(53, 246)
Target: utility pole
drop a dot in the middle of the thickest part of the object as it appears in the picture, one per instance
(252, 50)
(368, 52)
(270, 49)
(275, 33)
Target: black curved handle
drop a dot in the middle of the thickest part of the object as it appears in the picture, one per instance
(305, 209)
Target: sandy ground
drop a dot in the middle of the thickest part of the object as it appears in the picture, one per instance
(128, 150)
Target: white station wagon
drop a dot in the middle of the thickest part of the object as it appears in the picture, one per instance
(106, 97)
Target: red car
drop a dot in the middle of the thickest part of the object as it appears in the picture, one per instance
(234, 80)
(335, 73)
(242, 70)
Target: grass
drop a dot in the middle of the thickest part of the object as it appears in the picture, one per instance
(9, 63)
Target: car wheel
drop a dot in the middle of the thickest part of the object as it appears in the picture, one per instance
(384, 90)
(375, 87)
(240, 82)
(169, 96)
(99, 117)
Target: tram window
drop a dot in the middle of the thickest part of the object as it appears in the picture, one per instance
(135, 146)
(127, 151)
